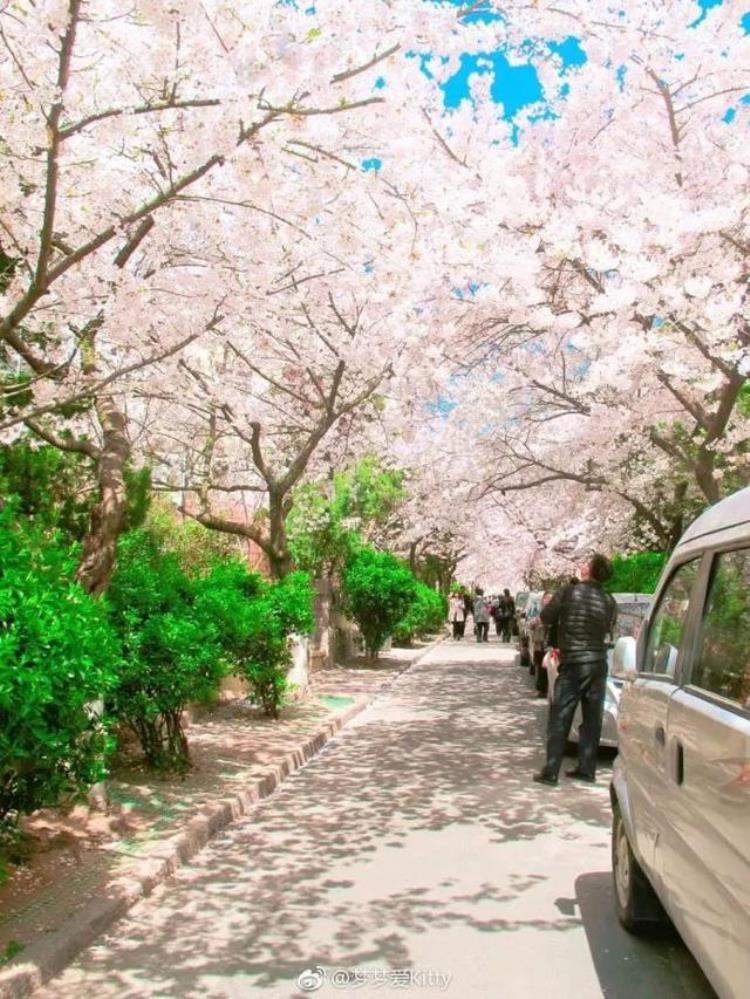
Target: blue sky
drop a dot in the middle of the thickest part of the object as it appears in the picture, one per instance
(514, 85)
(517, 86)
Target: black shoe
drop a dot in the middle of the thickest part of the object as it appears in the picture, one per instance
(580, 775)
(544, 778)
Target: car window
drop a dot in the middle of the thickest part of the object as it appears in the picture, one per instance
(629, 619)
(722, 665)
(668, 622)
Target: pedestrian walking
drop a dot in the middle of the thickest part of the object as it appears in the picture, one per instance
(505, 613)
(481, 615)
(457, 615)
(468, 609)
(585, 615)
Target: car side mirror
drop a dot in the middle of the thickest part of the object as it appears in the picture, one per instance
(623, 658)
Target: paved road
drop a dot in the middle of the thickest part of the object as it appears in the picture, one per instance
(415, 842)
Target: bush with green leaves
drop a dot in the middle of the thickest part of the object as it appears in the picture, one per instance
(637, 573)
(58, 656)
(257, 628)
(426, 616)
(53, 488)
(186, 620)
(329, 519)
(197, 548)
(378, 592)
(172, 645)
(57, 490)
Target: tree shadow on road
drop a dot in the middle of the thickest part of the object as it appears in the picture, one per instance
(325, 868)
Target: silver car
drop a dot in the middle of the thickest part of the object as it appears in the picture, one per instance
(631, 610)
(681, 782)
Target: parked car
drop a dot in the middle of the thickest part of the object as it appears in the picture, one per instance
(631, 610)
(521, 599)
(681, 783)
(533, 628)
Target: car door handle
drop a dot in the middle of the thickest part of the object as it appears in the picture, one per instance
(660, 735)
(679, 762)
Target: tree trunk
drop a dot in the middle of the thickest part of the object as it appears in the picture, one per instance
(413, 557)
(107, 516)
(322, 640)
(279, 559)
(704, 476)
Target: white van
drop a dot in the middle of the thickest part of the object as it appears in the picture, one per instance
(681, 783)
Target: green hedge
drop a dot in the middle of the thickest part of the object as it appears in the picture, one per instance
(425, 616)
(171, 641)
(182, 632)
(257, 620)
(638, 573)
(378, 592)
(58, 656)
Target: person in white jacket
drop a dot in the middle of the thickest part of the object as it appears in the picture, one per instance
(457, 615)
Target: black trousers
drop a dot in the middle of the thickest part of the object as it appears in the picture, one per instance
(483, 628)
(525, 657)
(542, 680)
(587, 683)
(458, 629)
(504, 627)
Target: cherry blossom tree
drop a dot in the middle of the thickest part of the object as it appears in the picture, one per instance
(124, 122)
(248, 241)
(608, 353)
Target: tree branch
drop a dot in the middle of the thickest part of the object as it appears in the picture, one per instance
(349, 73)
(76, 446)
(53, 131)
(206, 102)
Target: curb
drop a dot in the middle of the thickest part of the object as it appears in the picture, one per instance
(45, 959)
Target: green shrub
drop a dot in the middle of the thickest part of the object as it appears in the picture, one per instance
(328, 520)
(291, 603)
(172, 646)
(52, 487)
(197, 548)
(378, 593)
(638, 573)
(425, 616)
(58, 655)
(256, 634)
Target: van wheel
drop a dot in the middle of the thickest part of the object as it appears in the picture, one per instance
(635, 900)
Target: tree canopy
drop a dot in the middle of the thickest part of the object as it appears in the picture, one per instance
(247, 244)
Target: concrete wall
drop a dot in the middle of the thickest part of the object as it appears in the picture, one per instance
(299, 674)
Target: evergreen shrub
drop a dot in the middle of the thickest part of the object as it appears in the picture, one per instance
(58, 658)
(257, 630)
(378, 592)
(426, 616)
(171, 642)
(637, 573)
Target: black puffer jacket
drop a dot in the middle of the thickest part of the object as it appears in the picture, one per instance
(585, 615)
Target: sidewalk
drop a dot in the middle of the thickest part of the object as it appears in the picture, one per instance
(90, 866)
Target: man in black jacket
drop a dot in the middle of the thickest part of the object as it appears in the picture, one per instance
(585, 616)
